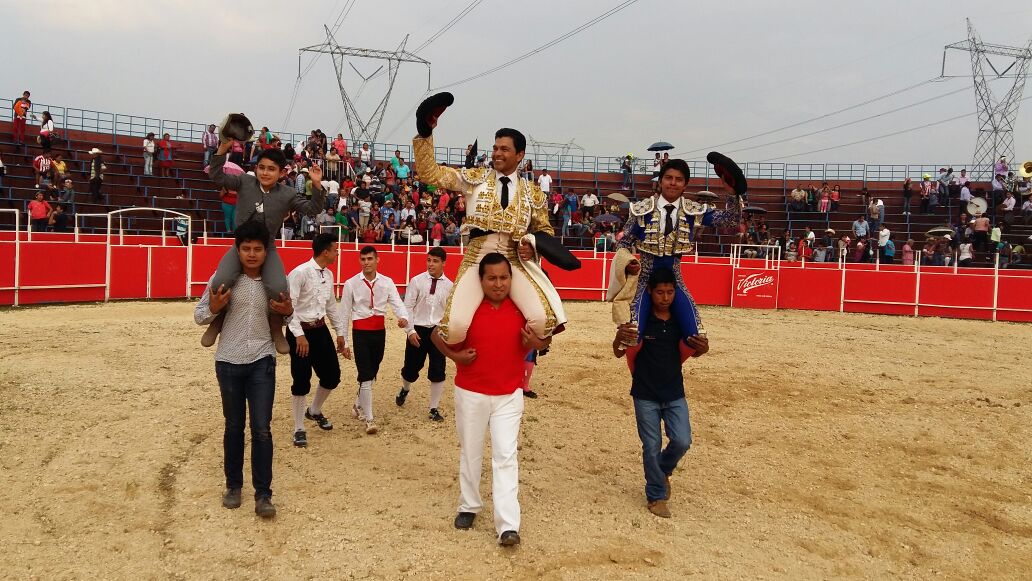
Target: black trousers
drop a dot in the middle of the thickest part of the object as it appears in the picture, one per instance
(95, 184)
(322, 357)
(367, 347)
(415, 357)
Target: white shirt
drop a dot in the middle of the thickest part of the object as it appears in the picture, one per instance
(406, 213)
(311, 291)
(148, 145)
(362, 299)
(965, 194)
(426, 309)
(965, 251)
(1008, 203)
(545, 182)
(589, 201)
(883, 236)
(365, 155)
(331, 187)
(47, 127)
(662, 203)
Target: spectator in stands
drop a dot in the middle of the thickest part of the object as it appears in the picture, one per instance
(333, 165)
(365, 157)
(965, 195)
(1026, 210)
(825, 203)
(46, 130)
(567, 219)
(571, 200)
(884, 238)
(1001, 166)
(980, 226)
(20, 109)
(39, 213)
(41, 168)
(627, 168)
(165, 149)
(888, 252)
(860, 250)
(861, 228)
(877, 215)
(942, 188)
(998, 187)
(965, 253)
(926, 193)
(1017, 256)
(589, 202)
(58, 221)
(340, 145)
(1008, 205)
(229, 200)
(290, 225)
(149, 147)
(66, 195)
(557, 201)
(97, 168)
(796, 199)
(809, 235)
(907, 193)
(545, 182)
(908, 252)
(836, 197)
(995, 236)
(209, 141)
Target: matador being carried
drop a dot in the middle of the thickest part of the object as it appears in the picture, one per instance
(507, 213)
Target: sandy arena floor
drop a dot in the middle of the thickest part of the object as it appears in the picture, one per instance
(826, 445)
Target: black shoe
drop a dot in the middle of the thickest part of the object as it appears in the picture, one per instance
(530, 393)
(464, 520)
(436, 415)
(509, 539)
(264, 508)
(323, 422)
(400, 398)
(231, 499)
(300, 439)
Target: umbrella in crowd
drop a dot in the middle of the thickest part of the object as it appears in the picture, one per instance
(618, 197)
(660, 146)
(606, 218)
(939, 231)
(706, 196)
(830, 231)
(753, 210)
(229, 168)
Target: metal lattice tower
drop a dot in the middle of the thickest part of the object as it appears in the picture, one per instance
(995, 118)
(364, 129)
(546, 150)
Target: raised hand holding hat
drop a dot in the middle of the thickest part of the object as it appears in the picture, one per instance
(429, 110)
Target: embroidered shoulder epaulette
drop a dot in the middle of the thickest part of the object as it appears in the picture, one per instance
(474, 175)
(691, 207)
(643, 207)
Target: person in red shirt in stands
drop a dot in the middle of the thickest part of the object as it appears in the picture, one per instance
(488, 395)
(437, 234)
(39, 213)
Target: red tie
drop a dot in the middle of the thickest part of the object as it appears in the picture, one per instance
(433, 285)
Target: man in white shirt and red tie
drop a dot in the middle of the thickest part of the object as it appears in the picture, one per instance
(426, 297)
(363, 304)
(311, 346)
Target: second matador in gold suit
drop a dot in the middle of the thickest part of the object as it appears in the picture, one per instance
(503, 210)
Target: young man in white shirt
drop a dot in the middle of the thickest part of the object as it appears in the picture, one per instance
(363, 304)
(588, 202)
(311, 346)
(545, 182)
(426, 298)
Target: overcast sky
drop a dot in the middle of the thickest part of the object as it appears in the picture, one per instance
(692, 73)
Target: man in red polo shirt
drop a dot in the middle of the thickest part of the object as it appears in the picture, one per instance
(489, 375)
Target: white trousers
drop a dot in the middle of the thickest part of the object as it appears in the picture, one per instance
(475, 413)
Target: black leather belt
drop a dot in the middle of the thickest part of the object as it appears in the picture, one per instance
(477, 233)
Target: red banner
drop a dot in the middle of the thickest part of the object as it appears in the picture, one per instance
(755, 288)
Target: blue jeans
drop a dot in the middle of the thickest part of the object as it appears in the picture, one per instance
(659, 463)
(251, 385)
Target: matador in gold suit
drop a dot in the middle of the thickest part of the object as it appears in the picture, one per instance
(503, 210)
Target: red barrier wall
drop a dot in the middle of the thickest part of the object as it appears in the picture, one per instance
(55, 269)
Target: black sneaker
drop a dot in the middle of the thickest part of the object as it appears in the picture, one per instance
(300, 439)
(530, 393)
(436, 415)
(231, 499)
(264, 508)
(464, 520)
(509, 539)
(320, 419)
(400, 398)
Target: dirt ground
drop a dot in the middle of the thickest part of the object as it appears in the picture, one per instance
(826, 446)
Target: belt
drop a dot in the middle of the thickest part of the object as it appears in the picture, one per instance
(477, 233)
(373, 323)
(313, 324)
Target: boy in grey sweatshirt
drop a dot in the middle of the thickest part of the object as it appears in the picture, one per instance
(261, 197)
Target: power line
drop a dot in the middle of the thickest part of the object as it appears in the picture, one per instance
(341, 16)
(543, 47)
(807, 121)
(847, 124)
(876, 138)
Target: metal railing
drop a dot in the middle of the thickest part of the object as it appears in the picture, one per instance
(118, 124)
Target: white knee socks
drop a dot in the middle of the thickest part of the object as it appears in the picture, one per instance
(300, 402)
(321, 393)
(365, 399)
(436, 390)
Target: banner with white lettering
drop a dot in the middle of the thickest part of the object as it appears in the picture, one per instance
(755, 288)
